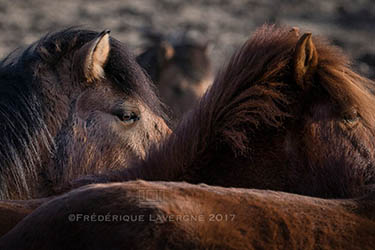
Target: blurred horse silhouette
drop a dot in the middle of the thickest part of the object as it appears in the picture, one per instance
(181, 69)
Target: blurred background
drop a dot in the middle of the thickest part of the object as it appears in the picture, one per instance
(224, 23)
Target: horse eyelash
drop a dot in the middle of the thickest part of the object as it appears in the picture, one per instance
(130, 116)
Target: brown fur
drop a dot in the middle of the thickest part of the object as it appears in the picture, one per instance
(253, 219)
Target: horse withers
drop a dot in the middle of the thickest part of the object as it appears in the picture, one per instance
(74, 103)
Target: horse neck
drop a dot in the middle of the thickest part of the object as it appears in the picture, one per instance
(175, 158)
(219, 127)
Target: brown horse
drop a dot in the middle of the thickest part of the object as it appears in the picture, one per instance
(286, 114)
(181, 71)
(162, 215)
(72, 104)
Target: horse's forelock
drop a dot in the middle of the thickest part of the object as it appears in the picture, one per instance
(236, 99)
(347, 88)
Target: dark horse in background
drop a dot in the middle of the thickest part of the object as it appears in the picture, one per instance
(181, 70)
(72, 104)
(286, 114)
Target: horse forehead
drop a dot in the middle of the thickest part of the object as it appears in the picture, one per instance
(323, 110)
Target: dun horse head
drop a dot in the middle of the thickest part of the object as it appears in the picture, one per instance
(74, 103)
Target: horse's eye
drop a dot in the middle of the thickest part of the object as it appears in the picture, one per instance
(350, 116)
(127, 116)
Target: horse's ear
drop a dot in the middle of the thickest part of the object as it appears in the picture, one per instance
(294, 31)
(208, 47)
(95, 55)
(305, 60)
(167, 51)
